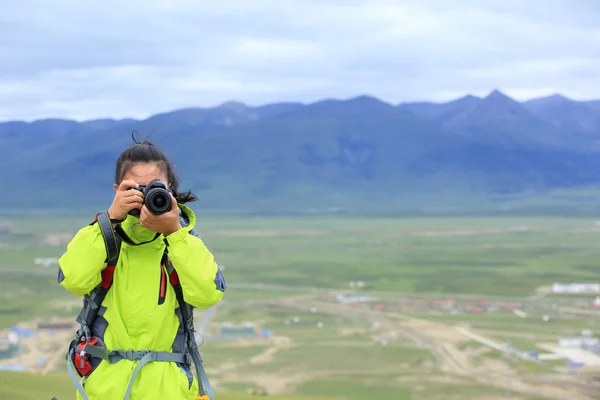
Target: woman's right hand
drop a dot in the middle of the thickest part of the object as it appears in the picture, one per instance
(125, 200)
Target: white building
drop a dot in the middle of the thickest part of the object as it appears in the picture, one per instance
(353, 299)
(576, 288)
(578, 341)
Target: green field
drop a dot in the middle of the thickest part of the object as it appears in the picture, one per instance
(20, 386)
(487, 257)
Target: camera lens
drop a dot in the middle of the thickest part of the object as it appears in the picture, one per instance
(158, 201)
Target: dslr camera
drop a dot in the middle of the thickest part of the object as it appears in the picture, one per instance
(157, 198)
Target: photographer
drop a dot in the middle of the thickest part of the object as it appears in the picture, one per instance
(144, 298)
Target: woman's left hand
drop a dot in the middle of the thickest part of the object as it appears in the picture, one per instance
(166, 223)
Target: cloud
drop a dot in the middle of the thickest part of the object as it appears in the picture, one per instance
(132, 59)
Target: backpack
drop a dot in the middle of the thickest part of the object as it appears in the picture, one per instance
(87, 351)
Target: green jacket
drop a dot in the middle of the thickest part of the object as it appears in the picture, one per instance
(131, 316)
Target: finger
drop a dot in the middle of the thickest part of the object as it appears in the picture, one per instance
(124, 185)
(153, 218)
(145, 213)
(132, 199)
(131, 206)
(133, 193)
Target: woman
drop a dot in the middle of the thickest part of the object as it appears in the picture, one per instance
(138, 309)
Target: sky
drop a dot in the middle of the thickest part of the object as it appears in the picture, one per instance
(113, 59)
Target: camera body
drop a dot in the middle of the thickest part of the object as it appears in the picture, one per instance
(157, 198)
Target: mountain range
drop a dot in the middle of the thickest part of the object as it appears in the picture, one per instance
(359, 153)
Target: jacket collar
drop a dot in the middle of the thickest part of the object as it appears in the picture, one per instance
(187, 218)
(137, 233)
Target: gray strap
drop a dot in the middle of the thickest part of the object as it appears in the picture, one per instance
(96, 351)
(201, 375)
(75, 378)
(131, 355)
(145, 356)
(153, 356)
(170, 268)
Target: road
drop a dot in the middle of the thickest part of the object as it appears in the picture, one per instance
(485, 341)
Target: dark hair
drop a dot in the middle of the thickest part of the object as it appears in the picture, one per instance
(145, 152)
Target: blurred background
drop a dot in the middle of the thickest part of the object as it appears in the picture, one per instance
(404, 196)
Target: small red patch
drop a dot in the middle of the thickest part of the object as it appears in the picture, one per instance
(174, 278)
(87, 367)
(107, 276)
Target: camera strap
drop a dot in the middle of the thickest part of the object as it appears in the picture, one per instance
(124, 237)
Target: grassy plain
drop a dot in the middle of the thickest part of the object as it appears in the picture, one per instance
(489, 256)
(271, 260)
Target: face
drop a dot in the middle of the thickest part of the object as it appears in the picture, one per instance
(143, 174)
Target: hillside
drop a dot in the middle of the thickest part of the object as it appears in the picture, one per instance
(566, 114)
(356, 154)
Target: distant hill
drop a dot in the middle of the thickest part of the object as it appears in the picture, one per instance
(442, 111)
(568, 115)
(359, 153)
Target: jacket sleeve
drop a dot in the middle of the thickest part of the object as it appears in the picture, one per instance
(79, 269)
(201, 279)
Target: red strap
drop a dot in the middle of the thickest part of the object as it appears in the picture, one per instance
(107, 276)
(173, 277)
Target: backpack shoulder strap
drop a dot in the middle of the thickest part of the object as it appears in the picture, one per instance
(93, 300)
(92, 303)
(187, 313)
(111, 240)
